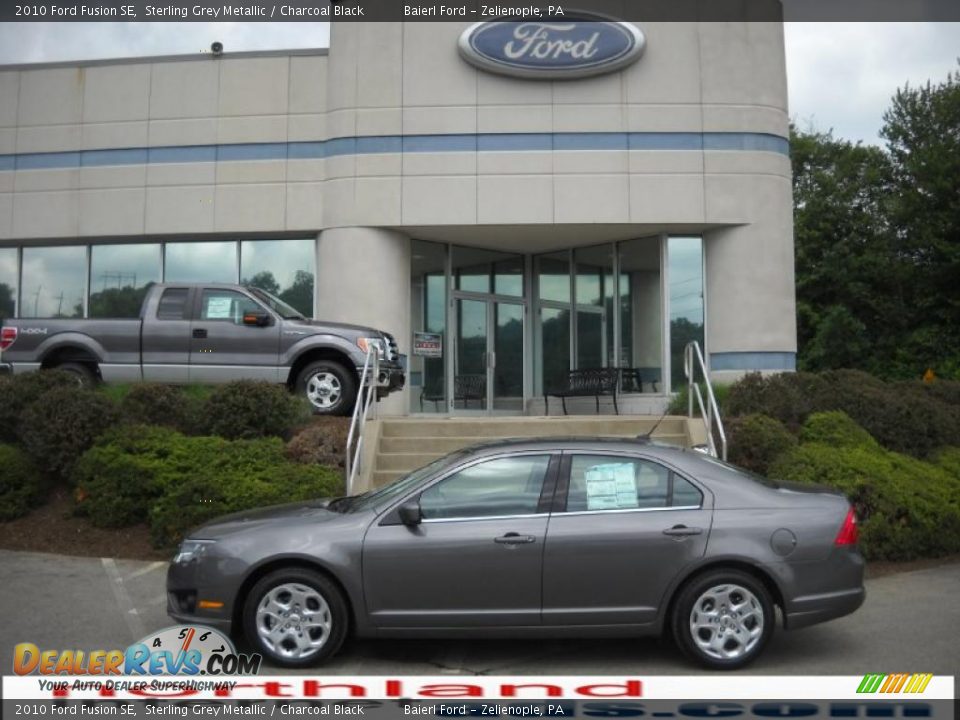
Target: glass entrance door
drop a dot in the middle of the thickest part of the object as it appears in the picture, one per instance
(488, 359)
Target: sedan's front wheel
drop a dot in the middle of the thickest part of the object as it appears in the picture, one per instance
(723, 619)
(295, 617)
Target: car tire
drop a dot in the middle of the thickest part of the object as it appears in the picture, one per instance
(329, 387)
(723, 619)
(84, 373)
(295, 618)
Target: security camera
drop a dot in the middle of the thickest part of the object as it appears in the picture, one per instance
(216, 48)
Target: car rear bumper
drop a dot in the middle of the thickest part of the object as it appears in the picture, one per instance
(813, 609)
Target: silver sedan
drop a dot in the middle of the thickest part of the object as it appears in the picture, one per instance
(553, 537)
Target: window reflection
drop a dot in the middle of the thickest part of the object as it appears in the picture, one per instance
(120, 276)
(201, 262)
(641, 324)
(54, 282)
(281, 267)
(485, 271)
(428, 314)
(8, 283)
(685, 255)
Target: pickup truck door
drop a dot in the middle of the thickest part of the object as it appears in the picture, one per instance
(223, 348)
(165, 336)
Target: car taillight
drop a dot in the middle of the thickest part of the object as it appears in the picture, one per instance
(7, 336)
(848, 531)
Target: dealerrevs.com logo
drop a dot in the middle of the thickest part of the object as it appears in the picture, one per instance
(178, 650)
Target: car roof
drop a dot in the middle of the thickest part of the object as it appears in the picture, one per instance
(629, 444)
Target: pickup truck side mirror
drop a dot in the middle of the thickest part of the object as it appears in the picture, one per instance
(410, 513)
(256, 319)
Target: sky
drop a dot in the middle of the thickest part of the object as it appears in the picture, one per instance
(841, 76)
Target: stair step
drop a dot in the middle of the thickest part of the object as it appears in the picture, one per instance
(530, 427)
(404, 462)
(382, 477)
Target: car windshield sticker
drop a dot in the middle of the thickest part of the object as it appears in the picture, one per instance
(611, 486)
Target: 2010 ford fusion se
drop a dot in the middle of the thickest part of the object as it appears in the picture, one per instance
(522, 538)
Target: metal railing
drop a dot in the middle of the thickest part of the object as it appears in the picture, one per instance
(366, 398)
(711, 412)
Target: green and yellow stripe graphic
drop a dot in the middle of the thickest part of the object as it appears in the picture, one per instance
(895, 683)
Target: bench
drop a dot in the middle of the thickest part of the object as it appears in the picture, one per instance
(584, 383)
(465, 388)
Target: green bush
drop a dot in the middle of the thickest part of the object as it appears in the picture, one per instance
(21, 484)
(787, 397)
(157, 404)
(947, 391)
(906, 417)
(233, 476)
(837, 429)
(249, 409)
(755, 441)
(58, 427)
(176, 482)
(907, 508)
(119, 477)
(679, 404)
(20, 391)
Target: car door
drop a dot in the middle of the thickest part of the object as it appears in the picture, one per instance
(223, 348)
(622, 527)
(165, 337)
(475, 558)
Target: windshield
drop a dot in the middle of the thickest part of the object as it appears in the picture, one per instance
(277, 305)
(399, 486)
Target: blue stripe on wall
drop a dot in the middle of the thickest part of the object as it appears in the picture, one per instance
(483, 142)
(753, 361)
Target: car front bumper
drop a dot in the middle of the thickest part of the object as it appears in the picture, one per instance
(186, 587)
(392, 378)
(6, 368)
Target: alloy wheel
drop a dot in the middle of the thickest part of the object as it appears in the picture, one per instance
(726, 622)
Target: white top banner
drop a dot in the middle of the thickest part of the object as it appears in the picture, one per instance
(896, 687)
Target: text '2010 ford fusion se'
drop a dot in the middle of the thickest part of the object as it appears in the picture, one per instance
(525, 538)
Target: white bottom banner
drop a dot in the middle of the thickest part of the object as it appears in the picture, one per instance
(879, 686)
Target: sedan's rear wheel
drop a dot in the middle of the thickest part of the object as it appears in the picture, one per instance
(723, 619)
(295, 617)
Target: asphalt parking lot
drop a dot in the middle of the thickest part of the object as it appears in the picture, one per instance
(909, 623)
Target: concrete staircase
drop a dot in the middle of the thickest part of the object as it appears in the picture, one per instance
(405, 444)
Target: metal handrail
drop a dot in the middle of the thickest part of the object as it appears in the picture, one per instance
(710, 414)
(361, 409)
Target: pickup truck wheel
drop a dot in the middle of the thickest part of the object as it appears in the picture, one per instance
(84, 374)
(329, 387)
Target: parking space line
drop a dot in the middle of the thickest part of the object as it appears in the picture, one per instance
(130, 614)
(152, 567)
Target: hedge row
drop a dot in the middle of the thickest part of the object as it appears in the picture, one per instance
(22, 487)
(174, 482)
(907, 417)
(907, 508)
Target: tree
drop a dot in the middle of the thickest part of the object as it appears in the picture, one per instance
(922, 129)
(265, 281)
(300, 293)
(8, 303)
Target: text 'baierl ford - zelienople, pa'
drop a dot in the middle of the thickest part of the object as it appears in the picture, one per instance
(555, 49)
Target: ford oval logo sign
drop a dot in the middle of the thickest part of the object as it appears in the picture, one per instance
(552, 48)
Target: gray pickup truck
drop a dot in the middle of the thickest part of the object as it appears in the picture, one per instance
(209, 333)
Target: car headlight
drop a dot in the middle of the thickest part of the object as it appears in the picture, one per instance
(365, 343)
(191, 550)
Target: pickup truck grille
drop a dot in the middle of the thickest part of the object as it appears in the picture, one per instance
(393, 351)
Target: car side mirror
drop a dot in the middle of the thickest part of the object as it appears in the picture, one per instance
(410, 513)
(256, 319)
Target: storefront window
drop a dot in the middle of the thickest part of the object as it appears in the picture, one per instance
(201, 262)
(553, 277)
(120, 276)
(487, 271)
(685, 257)
(428, 296)
(54, 282)
(641, 323)
(8, 283)
(284, 268)
(594, 292)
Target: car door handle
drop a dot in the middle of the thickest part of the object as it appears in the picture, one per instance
(199, 333)
(515, 539)
(682, 531)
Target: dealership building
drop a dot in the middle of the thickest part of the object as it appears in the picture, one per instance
(510, 200)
